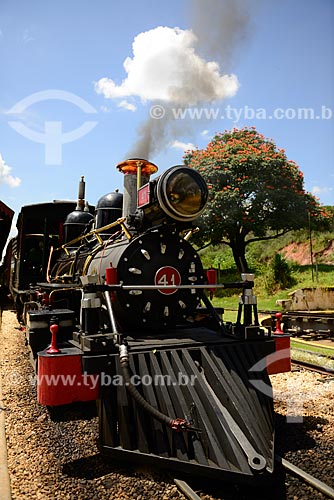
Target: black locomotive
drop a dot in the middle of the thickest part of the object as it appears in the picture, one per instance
(121, 297)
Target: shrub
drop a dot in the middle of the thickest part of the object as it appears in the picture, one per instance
(278, 275)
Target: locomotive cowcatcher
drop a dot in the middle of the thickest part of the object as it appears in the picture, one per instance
(122, 315)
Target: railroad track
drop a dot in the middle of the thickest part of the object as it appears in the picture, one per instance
(187, 491)
(315, 368)
(304, 476)
(313, 356)
(318, 325)
(315, 324)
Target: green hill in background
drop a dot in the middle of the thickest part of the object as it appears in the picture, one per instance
(296, 260)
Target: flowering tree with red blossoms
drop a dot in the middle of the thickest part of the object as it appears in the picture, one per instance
(255, 192)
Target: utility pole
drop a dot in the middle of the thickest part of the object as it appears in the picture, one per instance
(310, 237)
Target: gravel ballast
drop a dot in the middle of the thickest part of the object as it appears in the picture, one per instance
(53, 455)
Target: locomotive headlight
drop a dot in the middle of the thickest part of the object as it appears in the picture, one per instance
(182, 193)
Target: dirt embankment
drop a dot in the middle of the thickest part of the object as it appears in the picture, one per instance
(300, 253)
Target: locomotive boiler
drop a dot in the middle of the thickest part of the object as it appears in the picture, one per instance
(125, 310)
(148, 250)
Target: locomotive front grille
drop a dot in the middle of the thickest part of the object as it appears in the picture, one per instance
(211, 386)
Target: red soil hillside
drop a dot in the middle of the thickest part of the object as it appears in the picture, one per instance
(300, 253)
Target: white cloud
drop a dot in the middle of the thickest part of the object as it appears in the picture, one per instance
(127, 105)
(185, 146)
(5, 177)
(166, 67)
(204, 133)
(317, 190)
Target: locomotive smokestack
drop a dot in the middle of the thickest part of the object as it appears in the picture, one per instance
(137, 172)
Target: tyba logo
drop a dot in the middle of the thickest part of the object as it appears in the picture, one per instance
(53, 137)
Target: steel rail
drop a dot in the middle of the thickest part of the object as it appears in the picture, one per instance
(309, 314)
(314, 368)
(292, 314)
(314, 482)
(291, 468)
(186, 490)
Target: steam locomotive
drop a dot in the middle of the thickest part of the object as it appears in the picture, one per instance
(114, 300)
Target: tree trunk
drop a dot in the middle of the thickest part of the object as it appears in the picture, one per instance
(239, 256)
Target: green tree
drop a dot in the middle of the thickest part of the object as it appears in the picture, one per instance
(256, 193)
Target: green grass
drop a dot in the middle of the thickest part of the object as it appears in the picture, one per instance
(312, 358)
(312, 348)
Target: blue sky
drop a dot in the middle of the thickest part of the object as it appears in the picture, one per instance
(66, 58)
